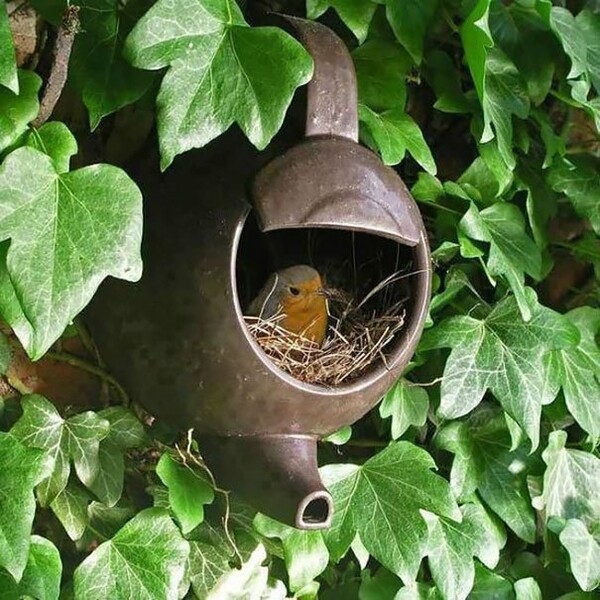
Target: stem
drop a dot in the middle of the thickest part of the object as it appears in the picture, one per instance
(366, 443)
(84, 365)
(60, 64)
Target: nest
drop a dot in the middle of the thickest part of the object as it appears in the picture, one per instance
(358, 334)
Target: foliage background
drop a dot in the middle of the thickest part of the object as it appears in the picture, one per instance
(478, 475)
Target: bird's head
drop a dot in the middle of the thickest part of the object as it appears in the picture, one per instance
(300, 285)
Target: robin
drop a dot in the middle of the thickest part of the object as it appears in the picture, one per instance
(298, 294)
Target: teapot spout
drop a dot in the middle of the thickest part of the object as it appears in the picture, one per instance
(276, 474)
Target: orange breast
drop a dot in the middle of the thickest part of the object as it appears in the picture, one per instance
(307, 318)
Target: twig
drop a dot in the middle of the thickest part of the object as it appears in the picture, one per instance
(200, 463)
(60, 64)
(84, 365)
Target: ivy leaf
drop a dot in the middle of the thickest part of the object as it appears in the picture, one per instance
(17, 110)
(564, 26)
(8, 63)
(444, 78)
(21, 469)
(588, 24)
(418, 591)
(356, 16)
(584, 554)
(188, 491)
(452, 547)
(505, 95)
(393, 132)
(144, 560)
(575, 369)
(410, 21)
(210, 556)
(527, 589)
(499, 86)
(381, 69)
(526, 38)
(76, 438)
(476, 38)
(221, 72)
(490, 585)
(502, 353)
(484, 462)
(55, 140)
(68, 232)
(381, 499)
(579, 180)
(512, 251)
(305, 552)
(125, 432)
(571, 482)
(104, 79)
(407, 404)
(41, 578)
(71, 509)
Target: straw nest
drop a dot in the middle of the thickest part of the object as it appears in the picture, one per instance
(358, 334)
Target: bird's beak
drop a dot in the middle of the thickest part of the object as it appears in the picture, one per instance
(324, 292)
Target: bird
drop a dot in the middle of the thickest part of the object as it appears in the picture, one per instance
(298, 294)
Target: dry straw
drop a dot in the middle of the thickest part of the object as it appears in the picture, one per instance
(357, 336)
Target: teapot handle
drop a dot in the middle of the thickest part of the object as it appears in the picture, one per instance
(331, 95)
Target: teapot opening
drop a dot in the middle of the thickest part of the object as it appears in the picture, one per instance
(368, 280)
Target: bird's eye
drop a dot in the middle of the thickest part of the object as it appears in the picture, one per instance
(294, 291)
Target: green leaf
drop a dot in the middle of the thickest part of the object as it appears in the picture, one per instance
(512, 252)
(484, 462)
(410, 21)
(21, 469)
(144, 560)
(381, 499)
(210, 556)
(527, 589)
(497, 82)
(584, 554)
(575, 369)
(579, 180)
(356, 16)
(444, 78)
(476, 38)
(452, 547)
(5, 354)
(393, 132)
(104, 522)
(587, 249)
(76, 438)
(490, 586)
(17, 110)
(418, 591)
(125, 432)
(339, 437)
(221, 72)
(188, 491)
(381, 69)
(588, 25)
(407, 404)
(104, 79)
(502, 353)
(504, 95)
(568, 33)
(71, 509)
(68, 232)
(41, 578)
(305, 552)
(55, 140)
(8, 63)
(526, 38)
(381, 586)
(571, 482)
